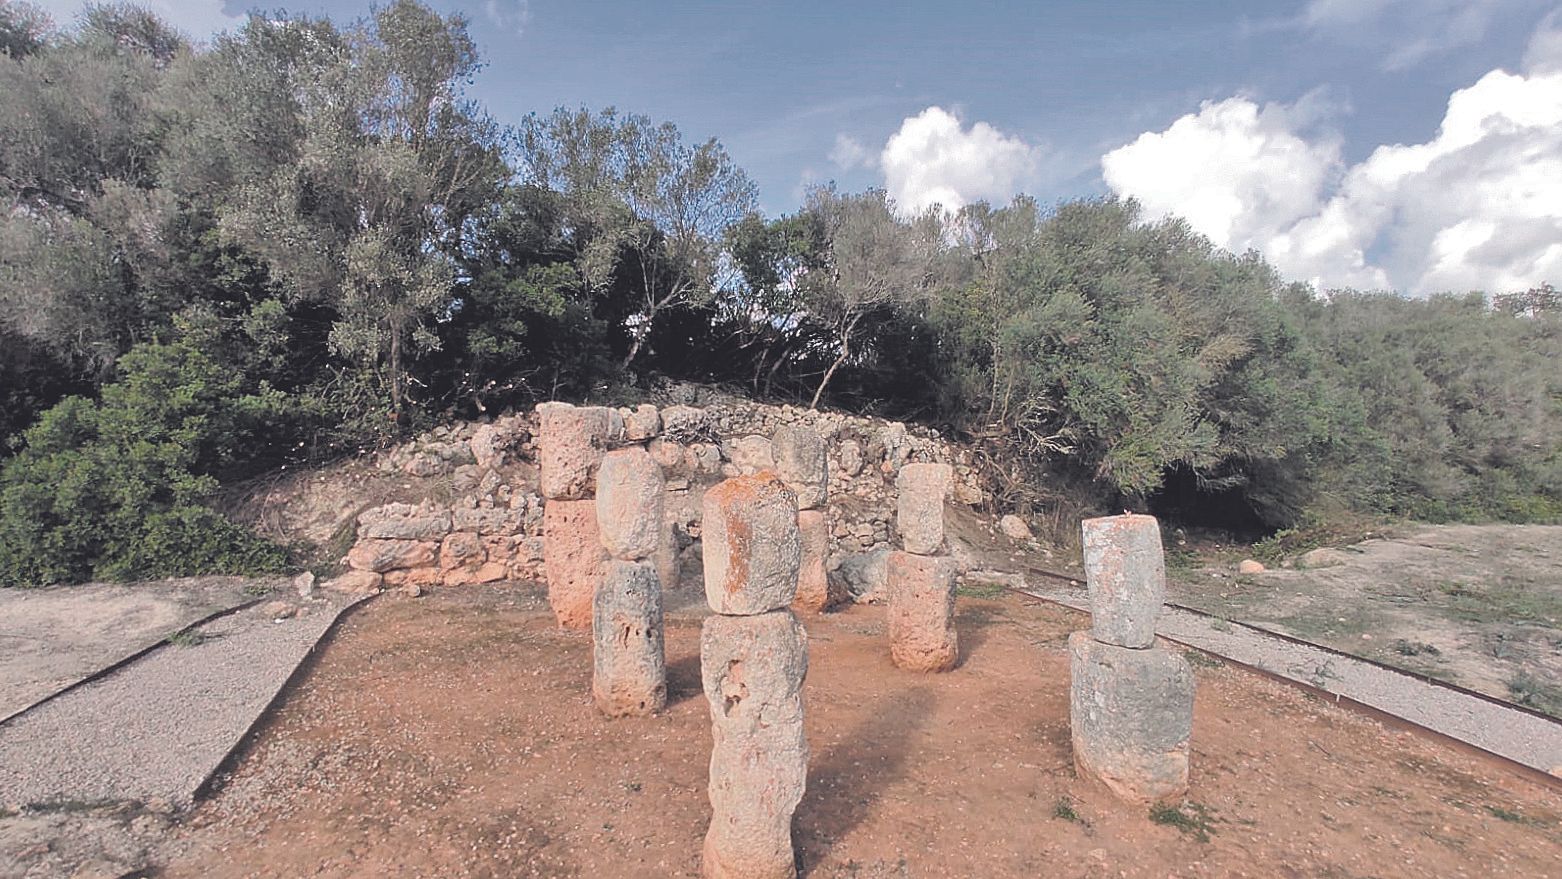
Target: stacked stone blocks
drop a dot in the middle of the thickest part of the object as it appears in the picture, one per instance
(1130, 702)
(753, 661)
(629, 673)
(921, 578)
(571, 441)
(802, 461)
(411, 546)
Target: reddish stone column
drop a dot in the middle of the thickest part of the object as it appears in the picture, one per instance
(753, 660)
(921, 578)
(570, 444)
(803, 463)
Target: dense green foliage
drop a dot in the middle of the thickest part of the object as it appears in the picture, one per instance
(113, 488)
(305, 239)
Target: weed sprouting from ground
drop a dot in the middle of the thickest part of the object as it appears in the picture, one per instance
(1533, 692)
(1064, 810)
(1192, 818)
(1508, 815)
(983, 590)
(186, 638)
(1414, 648)
(1200, 659)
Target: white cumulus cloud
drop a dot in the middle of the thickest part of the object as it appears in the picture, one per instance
(1479, 206)
(934, 160)
(849, 153)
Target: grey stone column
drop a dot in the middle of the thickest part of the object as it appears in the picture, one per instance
(803, 463)
(629, 671)
(1130, 702)
(570, 443)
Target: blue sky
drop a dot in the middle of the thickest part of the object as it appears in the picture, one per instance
(1320, 132)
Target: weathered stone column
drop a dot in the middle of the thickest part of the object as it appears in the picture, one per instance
(803, 463)
(1130, 702)
(570, 444)
(921, 579)
(629, 672)
(753, 660)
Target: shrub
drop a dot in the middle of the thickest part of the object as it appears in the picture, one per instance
(113, 488)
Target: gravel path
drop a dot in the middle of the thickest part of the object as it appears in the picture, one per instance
(54, 637)
(1508, 732)
(155, 729)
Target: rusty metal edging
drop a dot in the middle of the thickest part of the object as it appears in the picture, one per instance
(246, 739)
(124, 661)
(1292, 639)
(1532, 773)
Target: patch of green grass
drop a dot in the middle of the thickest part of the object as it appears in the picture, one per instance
(256, 588)
(1508, 815)
(988, 591)
(1197, 821)
(1511, 600)
(186, 638)
(1220, 624)
(1534, 692)
(1064, 810)
(1200, 659)
(1182, 562)
(1414, 648)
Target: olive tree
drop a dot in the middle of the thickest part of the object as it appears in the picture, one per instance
(641, 203)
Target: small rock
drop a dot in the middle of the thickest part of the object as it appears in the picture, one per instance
(1014, 528)
(279, 610)
(305, 584)
(1322, 557)
(851, 458)
(1251, 566)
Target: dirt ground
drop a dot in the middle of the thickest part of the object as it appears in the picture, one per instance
(453, 736)
(1475, 605)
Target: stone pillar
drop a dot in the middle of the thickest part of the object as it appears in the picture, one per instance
(753, 660)
(570, 444)
(1130, 702)
(921, 578)
(629, 672)
(803, 463)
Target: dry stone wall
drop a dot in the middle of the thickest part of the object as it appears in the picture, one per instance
(490, 524)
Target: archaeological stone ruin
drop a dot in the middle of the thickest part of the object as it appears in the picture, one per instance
(1130, 702)
(921, 576)
(570, 444)
(753, 659)
(802, 462)
(629, 673)
(769, 511)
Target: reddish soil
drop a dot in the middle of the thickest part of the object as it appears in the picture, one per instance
(454, 736)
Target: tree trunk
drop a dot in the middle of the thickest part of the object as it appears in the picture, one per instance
(395, 373)
(846, 347)
(634, 347)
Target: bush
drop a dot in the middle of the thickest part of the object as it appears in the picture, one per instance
(113, 488)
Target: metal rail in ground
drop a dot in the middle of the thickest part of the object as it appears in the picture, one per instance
(1525, 739)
